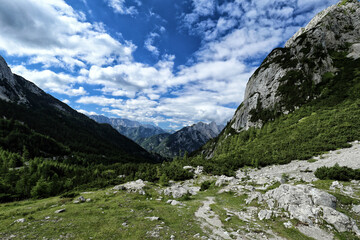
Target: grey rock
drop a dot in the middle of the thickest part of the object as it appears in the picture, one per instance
(340, 221)
(178, 190)
(81, 199)
(60, 210)
(288, 224)
(265, 214)
(301, 201)
(20, 220)
(356, 209)
(134, 186)
(152, 218)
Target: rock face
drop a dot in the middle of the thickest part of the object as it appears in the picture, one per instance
(302, 63)
(14, 88)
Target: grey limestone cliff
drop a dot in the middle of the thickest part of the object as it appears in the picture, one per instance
(286, 78)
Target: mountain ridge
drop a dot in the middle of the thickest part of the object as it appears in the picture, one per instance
(23, 101)
(187, 139)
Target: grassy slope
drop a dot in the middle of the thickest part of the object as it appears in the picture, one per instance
(102, 218)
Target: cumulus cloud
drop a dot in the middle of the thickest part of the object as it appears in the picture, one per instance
(52, 32)
(54, 82)
(236, 35)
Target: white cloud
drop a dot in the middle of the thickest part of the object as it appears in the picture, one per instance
(66, 101)
(86, 112)
(149, 43)
(119, 6)
(55, 82)
(54, 34)
(208, 88)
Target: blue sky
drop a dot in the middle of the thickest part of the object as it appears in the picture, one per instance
(167, 62)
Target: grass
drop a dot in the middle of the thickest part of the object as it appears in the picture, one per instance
(312, 160)
(102, 218)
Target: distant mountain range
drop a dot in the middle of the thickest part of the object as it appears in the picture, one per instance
(131, 129)
(158, 140)
(187, 139)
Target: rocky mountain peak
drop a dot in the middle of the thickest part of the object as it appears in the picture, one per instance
(283, 81)
(5, 71)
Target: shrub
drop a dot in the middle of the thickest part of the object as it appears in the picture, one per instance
(337, 173)
(205, 185)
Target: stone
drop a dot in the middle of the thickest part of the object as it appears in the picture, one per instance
(265, 214)
(175, 203)
(199, 170)
(301, 201)
(340, 221)
(288, 224)
(20, 220)
(81, 199)
(177, 190)
(356, 209)
(336, 184)
(223, 180)
(60, 210)
(88, 200)
(152, 218)
(133, 186)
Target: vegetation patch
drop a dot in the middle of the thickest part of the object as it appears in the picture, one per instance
(337, 173)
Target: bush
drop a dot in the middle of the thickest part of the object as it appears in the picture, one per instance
(205, 185)
(337, 173)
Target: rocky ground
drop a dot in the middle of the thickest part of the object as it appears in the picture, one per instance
(275, 202)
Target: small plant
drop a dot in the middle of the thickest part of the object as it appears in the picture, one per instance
(285, 177)
(185, 197)
(312, 160)
(205, 185)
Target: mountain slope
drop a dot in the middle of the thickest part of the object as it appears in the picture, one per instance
(23, 101)
(187, 139)
(131, 129)
(303, 100)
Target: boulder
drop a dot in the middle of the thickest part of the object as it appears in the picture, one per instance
(301, 201)
(356, 209)
(178, 190)
(288, 224)
(223, 180)
(60, 210)
(134, 186)
(152, 218)
(21, 220)
(265, 214)
(340, 221)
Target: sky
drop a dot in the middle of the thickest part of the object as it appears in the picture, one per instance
(171, 63)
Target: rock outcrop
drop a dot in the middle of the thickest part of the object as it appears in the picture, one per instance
(303, 62)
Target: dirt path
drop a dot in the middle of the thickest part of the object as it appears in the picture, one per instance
(210, 221)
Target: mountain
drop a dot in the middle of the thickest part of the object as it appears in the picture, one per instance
(45, 116)
(295, 75)
(187, 139)
(132, 129)
(303, 100)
